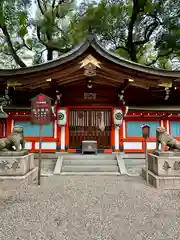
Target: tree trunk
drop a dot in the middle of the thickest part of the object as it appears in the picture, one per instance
(130, 45)
(49, 54)
(11, 48)
(133, 52)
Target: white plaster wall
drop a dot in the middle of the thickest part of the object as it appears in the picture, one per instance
(46, 145)
(151, 145)
(133, 145)
(28, 145)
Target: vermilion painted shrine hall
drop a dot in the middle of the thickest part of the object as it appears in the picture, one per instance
(90, 86)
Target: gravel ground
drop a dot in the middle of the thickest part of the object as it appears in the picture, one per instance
(89, 207)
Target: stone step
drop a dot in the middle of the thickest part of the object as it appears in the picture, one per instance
(46, 156)
(90, 168)
(134, 162)
(91, 173)
(134, 155)
(89, 156)
(90, 162)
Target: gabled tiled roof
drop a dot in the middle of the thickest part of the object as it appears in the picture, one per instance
(91, 41)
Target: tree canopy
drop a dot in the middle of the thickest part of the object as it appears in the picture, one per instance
(143, 31)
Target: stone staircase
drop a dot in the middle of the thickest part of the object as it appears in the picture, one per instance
(47, 164)
(90, 164)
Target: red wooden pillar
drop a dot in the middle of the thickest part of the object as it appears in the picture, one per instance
(67, 130)
(58, 140)
(121, 137)
(112, 132)
(58, 137)
(9, 126)
(1, 128)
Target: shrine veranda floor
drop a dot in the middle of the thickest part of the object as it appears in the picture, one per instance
(89, 207)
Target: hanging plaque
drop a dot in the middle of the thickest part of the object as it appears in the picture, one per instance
(90, 96)
(41, 109)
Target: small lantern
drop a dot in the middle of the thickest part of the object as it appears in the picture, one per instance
(145, 131)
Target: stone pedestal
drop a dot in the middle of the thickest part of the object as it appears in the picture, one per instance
(16, 165)
(167, 164)
(164, 170)
(162, 182)
(18, 168)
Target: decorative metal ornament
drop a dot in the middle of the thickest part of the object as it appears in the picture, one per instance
(167, 90)
(89, 64)
(90, 70)
(89, 85)
(58, 98)
(90, 60)
(166, 166)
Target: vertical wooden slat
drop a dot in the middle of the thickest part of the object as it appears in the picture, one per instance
(87, 127)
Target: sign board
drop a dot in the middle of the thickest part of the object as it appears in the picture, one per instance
(90, 96)
(40, 115)
(41, 109)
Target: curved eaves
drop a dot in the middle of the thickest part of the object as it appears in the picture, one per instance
(132, 65)
(67, 57)
(80, 49)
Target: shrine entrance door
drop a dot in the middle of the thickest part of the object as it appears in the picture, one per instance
(84, 124)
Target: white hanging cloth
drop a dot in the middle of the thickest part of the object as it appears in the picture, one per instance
(102, 125)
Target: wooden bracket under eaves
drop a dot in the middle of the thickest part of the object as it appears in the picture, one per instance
(165, 84)
(13, 84)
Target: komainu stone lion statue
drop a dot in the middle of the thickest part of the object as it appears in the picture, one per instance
(16, 139)
(162, 137)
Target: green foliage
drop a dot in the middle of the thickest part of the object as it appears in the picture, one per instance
(52, 28)
(29, 43)
(13, 23)
(130, 27)
(123, 53)
(144, 31)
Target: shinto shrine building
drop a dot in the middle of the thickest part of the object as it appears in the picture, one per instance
(90, 86)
